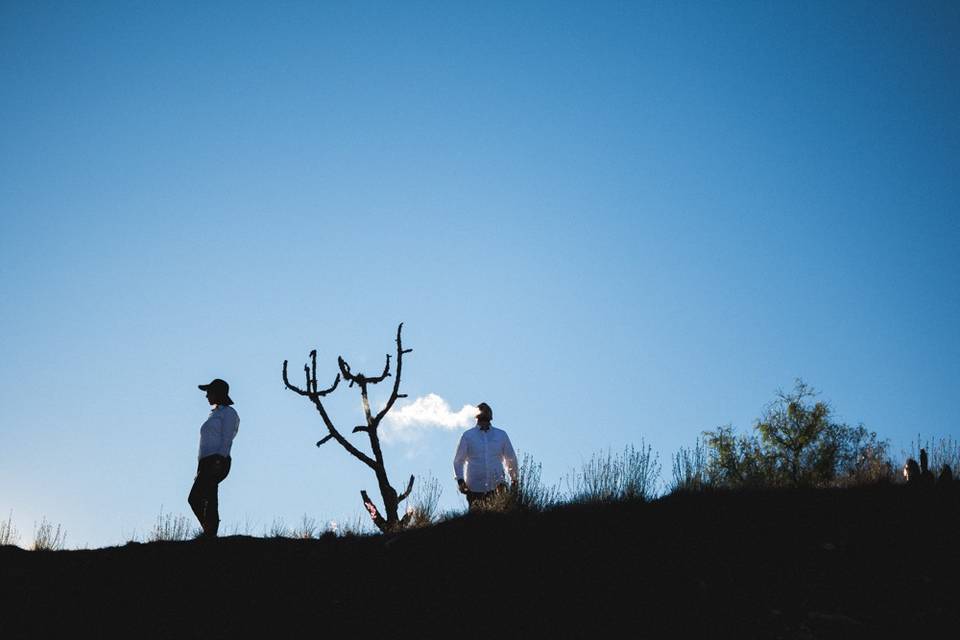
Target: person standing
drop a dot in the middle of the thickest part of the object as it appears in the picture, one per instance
(481, 456)
(216, 440)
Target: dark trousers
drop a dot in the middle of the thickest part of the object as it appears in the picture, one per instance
(475, 498)
(211, 471)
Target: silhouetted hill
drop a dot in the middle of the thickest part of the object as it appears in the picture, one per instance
(869, 562)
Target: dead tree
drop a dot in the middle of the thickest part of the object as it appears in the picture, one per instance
(391, 500)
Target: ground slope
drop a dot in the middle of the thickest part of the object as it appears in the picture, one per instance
(874, 562)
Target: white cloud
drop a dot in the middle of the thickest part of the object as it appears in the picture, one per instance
(408, 422)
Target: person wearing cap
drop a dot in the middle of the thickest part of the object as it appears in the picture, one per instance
(216, 440)
(481, 456)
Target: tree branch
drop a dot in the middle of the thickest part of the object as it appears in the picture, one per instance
(403, 496)
(309, 393)
(395, 393)
(383, 376)
(374, 513)
(286, 382)
(325, 439)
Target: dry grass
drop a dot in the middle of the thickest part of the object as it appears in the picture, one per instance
(172, 528)
(9, 535)
(47, 537)
(610, 477)
(423, 502)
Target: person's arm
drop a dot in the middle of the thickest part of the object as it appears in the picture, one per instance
(510, 460)
(459, 461)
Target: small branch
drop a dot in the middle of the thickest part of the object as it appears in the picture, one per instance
(406, 492)
(346, 373)
(325, 439)
(395, 393)
(383, 376)
(360, 428)
(374, 513)
(286, 382)
(328, 390)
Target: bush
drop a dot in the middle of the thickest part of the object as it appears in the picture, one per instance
(608, 477)
(796, 444)
(8, 532)
(530, 493)
(172, 528)
(690, 469)
(46, 537)
(423, 502)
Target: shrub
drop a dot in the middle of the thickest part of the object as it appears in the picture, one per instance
(608, 477)
(277, 529)
(8, 532)
(423, 503)
(530, 493)
(796, 444)
(46, 537)
(690, 469)
(172, 528)
(306, 530)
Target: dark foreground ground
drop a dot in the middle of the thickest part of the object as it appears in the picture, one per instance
(879, 562)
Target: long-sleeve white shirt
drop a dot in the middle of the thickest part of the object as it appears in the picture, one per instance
(218, 432)
(484, 452)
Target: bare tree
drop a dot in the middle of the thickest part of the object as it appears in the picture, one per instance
(391, 500)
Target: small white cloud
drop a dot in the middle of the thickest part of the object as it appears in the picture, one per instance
(408, 422)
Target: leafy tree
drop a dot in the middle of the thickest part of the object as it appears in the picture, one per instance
(795, 443)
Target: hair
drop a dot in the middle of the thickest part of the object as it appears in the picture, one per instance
(485, 408)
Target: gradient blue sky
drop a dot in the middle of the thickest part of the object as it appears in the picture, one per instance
(611, 221)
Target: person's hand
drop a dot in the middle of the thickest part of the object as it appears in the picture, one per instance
(462, 485)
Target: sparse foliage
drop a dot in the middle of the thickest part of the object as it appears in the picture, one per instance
(795, 444)
(690, 469)
(307, 529)
(531, 494)
(171, 527)
(423, 503)
(941, 451)
(608, 477)
(9, 535)
(390, 519)
(47, 537)
(277, 529)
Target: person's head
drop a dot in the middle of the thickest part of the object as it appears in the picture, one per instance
(484, 413)
(911, 470)
(218, 391)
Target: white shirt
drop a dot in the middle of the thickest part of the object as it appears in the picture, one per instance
(484, 452)
(218, 432)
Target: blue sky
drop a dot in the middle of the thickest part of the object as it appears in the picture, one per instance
(613, 222)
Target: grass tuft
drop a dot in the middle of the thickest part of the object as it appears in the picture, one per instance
(172, 528)
(47, 537)
(8, 532)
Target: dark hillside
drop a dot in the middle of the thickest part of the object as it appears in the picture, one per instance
(873, 562)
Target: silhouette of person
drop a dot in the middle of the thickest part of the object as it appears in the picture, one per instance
(216, 439)
(480, 459)
(911, 471)
(926, 476)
